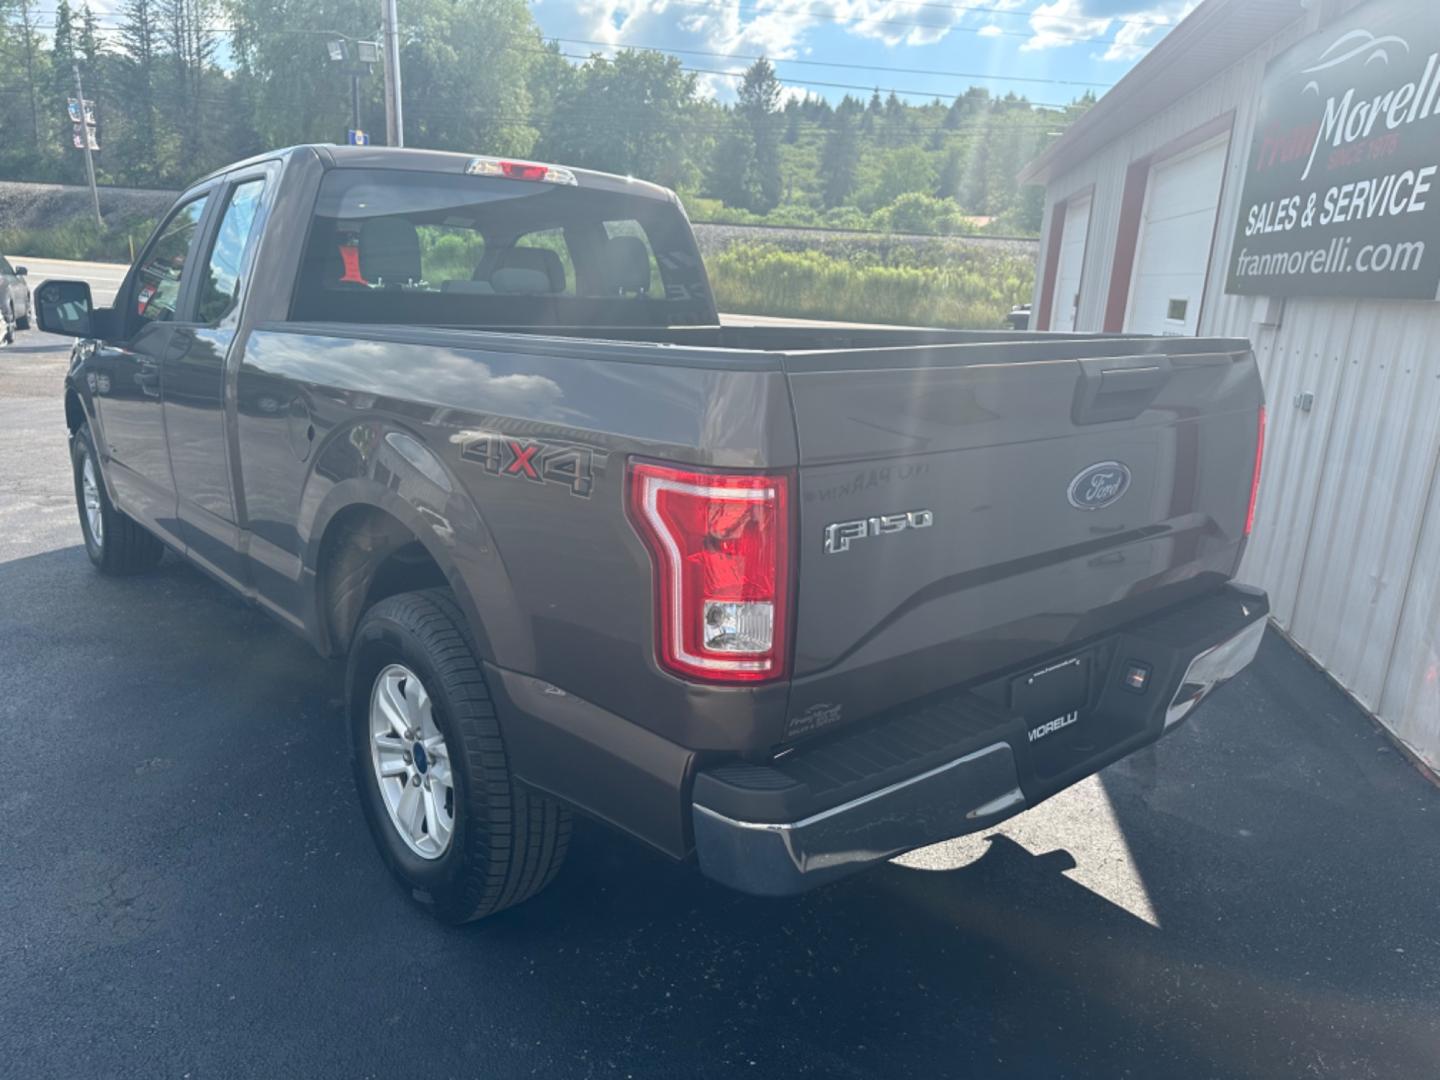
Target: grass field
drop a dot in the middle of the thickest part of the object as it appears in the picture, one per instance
(78, 238)
(973, 293)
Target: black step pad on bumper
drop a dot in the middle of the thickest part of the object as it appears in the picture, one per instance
(811, 780)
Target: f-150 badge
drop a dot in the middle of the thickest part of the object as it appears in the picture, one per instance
(840, 535)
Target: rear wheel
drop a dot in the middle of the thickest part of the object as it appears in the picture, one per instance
(23, 322)
(434, 780)
(115, 543)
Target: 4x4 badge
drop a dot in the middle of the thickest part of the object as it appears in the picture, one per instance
(533, 460)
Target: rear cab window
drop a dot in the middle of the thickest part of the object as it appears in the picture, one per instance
(435, 249)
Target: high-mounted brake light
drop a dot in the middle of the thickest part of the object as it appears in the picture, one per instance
(1255, 476)
(520, 170)
(720, 546)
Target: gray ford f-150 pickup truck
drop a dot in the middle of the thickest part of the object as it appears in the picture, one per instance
(783, 600)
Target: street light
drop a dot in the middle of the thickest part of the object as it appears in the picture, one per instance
(365, 53)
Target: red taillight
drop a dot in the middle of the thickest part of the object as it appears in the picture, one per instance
(1255, 476)
(721, 550)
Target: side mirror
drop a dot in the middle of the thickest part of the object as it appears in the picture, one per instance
(20, 271)
(65, 308)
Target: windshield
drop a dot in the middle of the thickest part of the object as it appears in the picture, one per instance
(423, 248)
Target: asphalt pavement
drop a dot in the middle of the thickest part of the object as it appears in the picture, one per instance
(187, 888)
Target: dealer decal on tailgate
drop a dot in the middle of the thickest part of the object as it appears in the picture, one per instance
(1052, 726)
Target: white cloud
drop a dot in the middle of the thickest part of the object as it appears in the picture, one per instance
(1136, 25)
(990, 30)
(1134, 38)
(1063, 23)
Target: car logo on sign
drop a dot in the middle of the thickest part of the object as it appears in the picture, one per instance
(1098, 486)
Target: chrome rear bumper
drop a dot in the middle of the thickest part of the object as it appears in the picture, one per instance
(777, 859)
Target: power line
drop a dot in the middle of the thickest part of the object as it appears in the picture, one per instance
(818, 82)
(664, 50)
(863, 88)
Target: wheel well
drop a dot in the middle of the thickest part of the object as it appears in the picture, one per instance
(74, 411)
(365, 556)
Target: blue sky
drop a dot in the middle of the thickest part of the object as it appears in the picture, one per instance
(1049, 51)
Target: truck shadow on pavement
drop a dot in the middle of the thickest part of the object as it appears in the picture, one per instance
(208, 881)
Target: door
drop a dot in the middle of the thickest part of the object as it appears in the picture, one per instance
(194, 378)
(1071, 264)
(1177, 231)
(127, 392)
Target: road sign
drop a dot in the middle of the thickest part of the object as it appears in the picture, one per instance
(358, 138)
(78, 139)
(72, 107)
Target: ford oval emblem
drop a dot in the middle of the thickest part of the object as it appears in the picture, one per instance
(1098, 486)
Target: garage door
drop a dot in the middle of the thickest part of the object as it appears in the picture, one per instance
(1173, 251)
(1071, 264)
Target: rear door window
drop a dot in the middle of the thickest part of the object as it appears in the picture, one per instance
(220, 287)
(436, 249)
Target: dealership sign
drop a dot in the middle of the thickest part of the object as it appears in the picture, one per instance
(1342, 186)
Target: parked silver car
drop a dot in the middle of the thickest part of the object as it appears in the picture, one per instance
(14, 300)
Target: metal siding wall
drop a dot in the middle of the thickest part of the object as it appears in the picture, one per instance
(1305, 353)
(1410, 703)
(1347, 534)
(1373, 484)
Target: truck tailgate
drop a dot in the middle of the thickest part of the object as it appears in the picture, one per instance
(968, 509)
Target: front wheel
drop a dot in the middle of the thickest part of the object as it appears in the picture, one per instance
(434, 780)
(115, 543)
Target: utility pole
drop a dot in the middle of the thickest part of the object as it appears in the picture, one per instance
(355, 99)
(85, 143)
(394, 114)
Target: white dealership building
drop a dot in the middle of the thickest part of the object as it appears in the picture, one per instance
(1269, 171)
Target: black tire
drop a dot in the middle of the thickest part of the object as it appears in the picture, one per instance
(123, 546)
(508, 843)
(23, 322)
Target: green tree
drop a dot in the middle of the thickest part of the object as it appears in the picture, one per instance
(70, 167)
(837, 163)
(901, 171)
(466, 65)
(23, 78)
(759, 100)
(633, 115)
(952, 172)
(733, 177)
(186, 28)
(136, 150)
(873, 110)
(793, 117)
(295, 93)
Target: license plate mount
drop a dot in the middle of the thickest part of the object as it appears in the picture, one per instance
(1052, 694)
